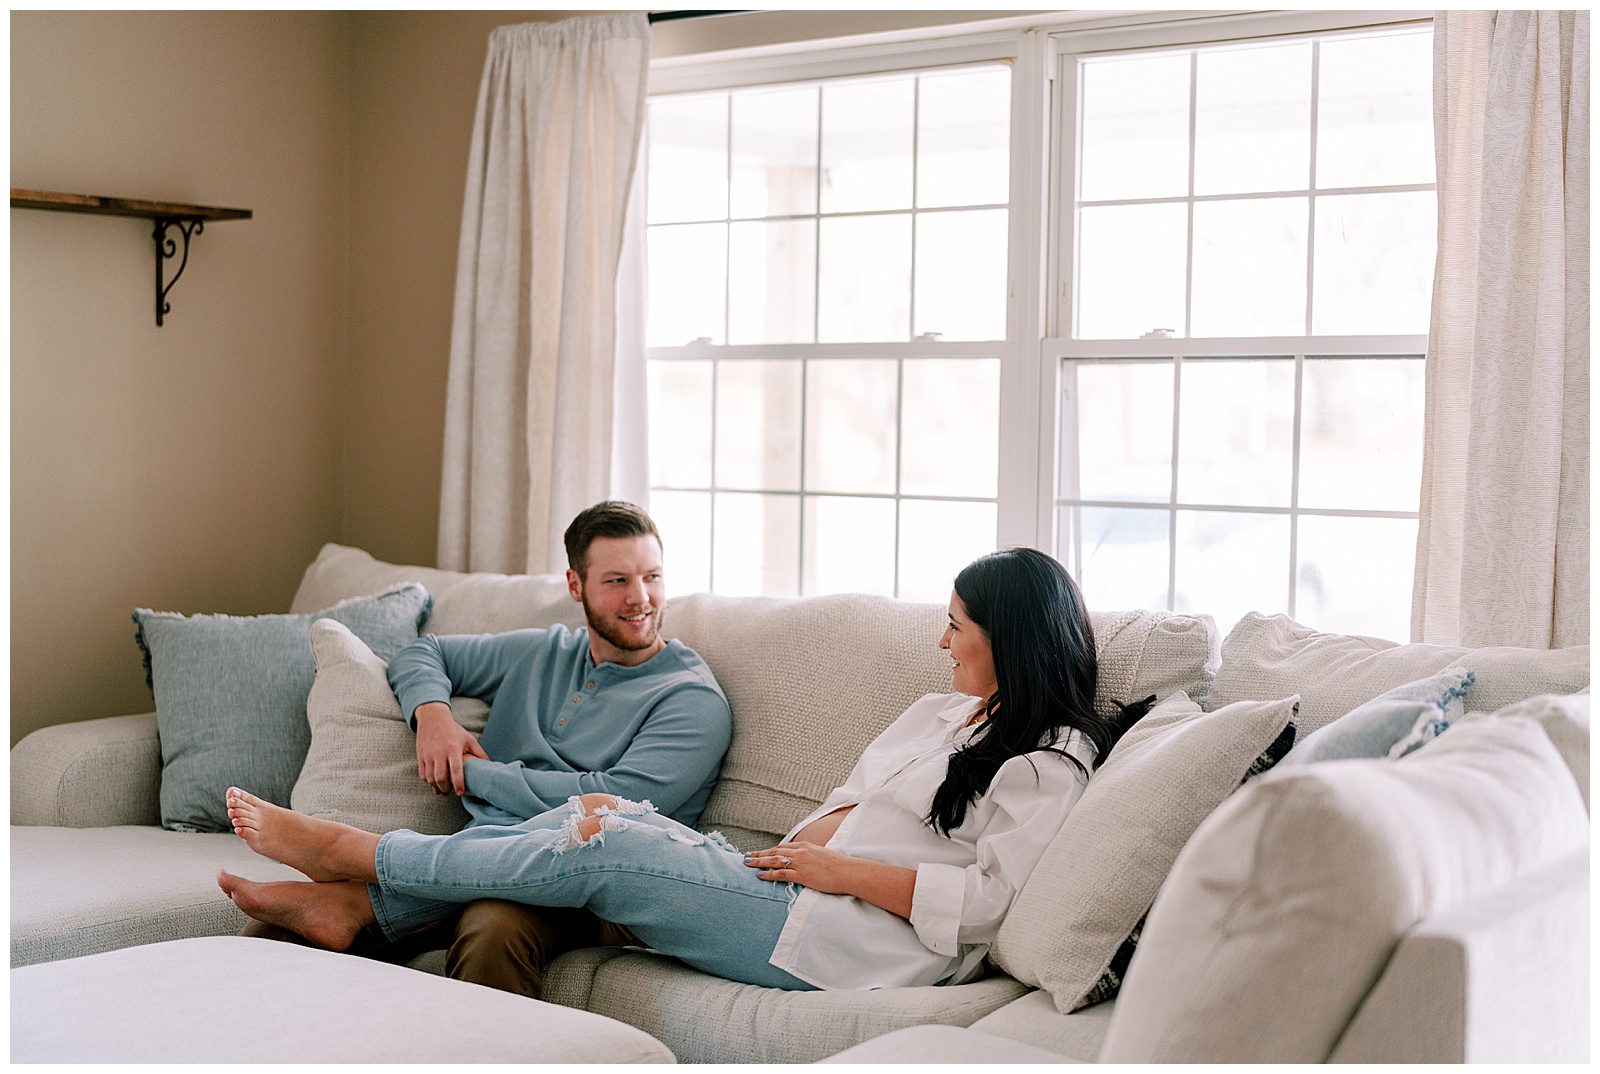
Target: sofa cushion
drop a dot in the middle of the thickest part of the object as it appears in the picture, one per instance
(361, 768)
(1103, 869)
(1264, 942)
(1400, 719)
(231, 693)
(464, 603)
(929, 1045)
(77, 891)
(1272, 656)
(236, 999)
(1033, 1019)
(1565, 718)
(706, 1019)
(813, 680)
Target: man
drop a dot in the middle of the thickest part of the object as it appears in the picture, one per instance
(610, 708)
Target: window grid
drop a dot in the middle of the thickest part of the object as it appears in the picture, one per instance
(806, 353)
(1070, 538)
(1293, 511)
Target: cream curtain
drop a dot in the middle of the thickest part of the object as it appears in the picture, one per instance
(528, 417)
(1503, 548)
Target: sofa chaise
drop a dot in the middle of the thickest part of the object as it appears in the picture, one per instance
(1432, 907)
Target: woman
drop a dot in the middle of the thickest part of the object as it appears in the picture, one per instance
(934, 832)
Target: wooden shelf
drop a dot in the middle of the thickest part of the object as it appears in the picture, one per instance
(187, 219)
(92, 203)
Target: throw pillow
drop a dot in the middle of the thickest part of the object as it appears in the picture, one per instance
(1391, 724)
(1103, 869)
(231, 691)
(361, 769)
(1565, 718)
(1263, 942)
(1110, 982)
(1272, 655)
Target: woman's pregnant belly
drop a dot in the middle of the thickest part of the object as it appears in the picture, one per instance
(821, 830)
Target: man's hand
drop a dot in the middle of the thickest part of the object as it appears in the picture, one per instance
(443, 747)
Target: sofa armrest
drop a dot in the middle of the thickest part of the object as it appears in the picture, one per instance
(1501, 978)
(90, 774)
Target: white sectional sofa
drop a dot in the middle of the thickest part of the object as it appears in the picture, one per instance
(1458, 874)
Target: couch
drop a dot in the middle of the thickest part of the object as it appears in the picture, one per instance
(1430, 908)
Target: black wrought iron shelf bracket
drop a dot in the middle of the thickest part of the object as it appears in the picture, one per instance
(188, 220)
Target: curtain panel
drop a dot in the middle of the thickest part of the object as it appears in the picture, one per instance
(528, 416)
(1503, 546)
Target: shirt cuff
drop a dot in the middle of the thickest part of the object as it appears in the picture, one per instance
(418, 698)
(936, 906)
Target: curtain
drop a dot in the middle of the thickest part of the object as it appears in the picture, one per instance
(528, 415)
(1503, 546)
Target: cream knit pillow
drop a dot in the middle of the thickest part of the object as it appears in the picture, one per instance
(361, 769)
(1103, 869)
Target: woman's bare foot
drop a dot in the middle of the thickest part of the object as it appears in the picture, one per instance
(329, 915)
(322, 849)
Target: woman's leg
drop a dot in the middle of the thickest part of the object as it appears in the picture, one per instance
(681, 892)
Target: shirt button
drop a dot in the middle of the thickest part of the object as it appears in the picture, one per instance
(562, 720)
(591, 686)
(577, 697)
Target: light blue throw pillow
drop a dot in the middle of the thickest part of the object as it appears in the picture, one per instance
(1392, 724)
(231, 696)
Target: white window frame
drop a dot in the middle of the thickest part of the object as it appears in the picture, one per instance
(1044, 153)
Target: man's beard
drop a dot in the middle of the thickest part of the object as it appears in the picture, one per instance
(607, 630)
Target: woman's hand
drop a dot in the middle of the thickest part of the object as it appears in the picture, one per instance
(809, 865)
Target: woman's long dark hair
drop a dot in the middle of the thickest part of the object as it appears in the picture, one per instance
(1044, 666)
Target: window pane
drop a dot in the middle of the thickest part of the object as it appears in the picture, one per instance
(1253, 120)
(865, 289)
(684, 520)
(758, 426)
(961, 274)
(938, 539)
(951, 422)
(1250, 268)
(1135, 128)
(866, 145)
(964, 138)
(1229, 564)
(771, 282)
(1375, 110)
(1374, 263)
(850, 425)
(1355, 575)
(688, 269)
(1361, 433)
(849, 543)
(1131, 270)
(1236, 432)
(680, 445)
(688, 159)
(774, 152)
(1123, 415)
(1118, 556)
(758, 545)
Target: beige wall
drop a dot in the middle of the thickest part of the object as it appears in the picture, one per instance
(194, 466)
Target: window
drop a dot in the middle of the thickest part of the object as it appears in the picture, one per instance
(1152, 296)
(1241, 399)
(828, 268)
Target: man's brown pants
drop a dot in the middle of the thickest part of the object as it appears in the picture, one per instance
(504, 945)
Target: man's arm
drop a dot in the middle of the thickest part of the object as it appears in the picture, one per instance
(675, 753)
(424, 676)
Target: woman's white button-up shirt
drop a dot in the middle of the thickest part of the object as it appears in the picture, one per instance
(965, 882)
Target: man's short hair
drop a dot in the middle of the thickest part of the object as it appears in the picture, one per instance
(613, 518)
